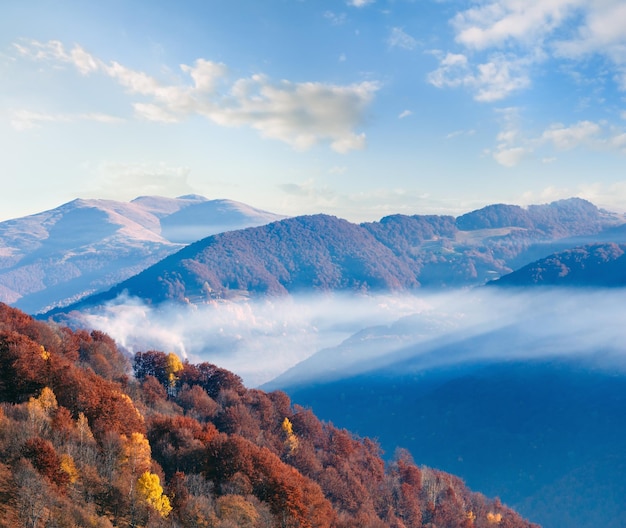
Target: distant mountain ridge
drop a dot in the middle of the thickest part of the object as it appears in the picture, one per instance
(58, 256)
(593, 265)
(325, 253)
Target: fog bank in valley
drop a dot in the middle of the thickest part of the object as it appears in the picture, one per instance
(260, 339)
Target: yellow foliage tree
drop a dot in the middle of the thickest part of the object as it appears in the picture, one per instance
(291, 442)
(68, 466)
(494, 518)
(174, 365)
(40, 409)
(46, 400)
(45, 355)
(136, 455)
(150, 491)
(84, 431)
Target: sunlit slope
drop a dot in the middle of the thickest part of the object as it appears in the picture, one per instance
(58, 256)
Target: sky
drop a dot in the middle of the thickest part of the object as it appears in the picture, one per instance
(356, 108)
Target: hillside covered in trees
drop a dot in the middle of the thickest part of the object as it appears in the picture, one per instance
(90, 437)
(322, 253)
(593, 265)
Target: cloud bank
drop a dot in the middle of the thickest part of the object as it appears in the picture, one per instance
(261, 339)
(257, 339)
(300, 114)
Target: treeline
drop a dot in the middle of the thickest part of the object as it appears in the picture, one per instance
(92, 438)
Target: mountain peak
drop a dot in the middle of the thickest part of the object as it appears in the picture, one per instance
(194, 197)
(86, 245)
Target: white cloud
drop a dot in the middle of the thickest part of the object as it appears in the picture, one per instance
(399, 39)
(500, 77)
(619, 142)
(347, 143)
(359, 3)
(509, 152)
(513, 146)
(610, 196)
(490, 81)
(153, 112)
(601, 31)
(26, 119)
(405, 113)
(498, 22)
(453, 71)
(510, 157)
(336, 19)
(565, 138)
(300, 114)
(528, 34)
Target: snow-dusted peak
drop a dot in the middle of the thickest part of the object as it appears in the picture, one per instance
(202, 219)
(87, 245)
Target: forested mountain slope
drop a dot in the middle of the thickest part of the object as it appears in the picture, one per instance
(325, 253)
(593, 265)
(84, 443)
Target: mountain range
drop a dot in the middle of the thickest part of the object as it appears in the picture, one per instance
(524, 405)
(58, 256)
(398, 253)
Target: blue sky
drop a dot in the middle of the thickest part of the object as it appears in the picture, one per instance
(358, 108)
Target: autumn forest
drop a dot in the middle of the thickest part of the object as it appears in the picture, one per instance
(92, 437)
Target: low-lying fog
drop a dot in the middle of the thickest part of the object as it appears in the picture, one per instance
(260, 339)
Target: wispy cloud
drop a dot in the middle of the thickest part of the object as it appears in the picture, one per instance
(138, 179)
(458, 133)
(490, 81)
(404, 114)
(359, 3)
(336, 19)
(26, 119)
(398, 38)
(568, 137)
(300, 114)
(513, 146)
(321, 195)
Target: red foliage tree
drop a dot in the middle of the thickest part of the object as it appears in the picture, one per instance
(44, 459)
